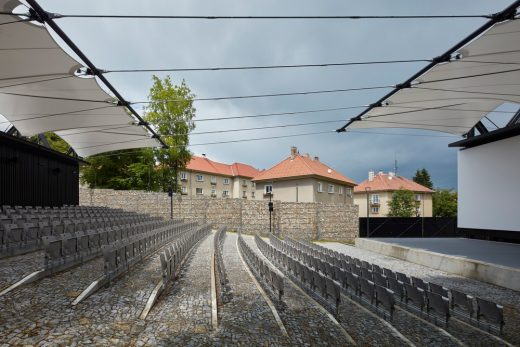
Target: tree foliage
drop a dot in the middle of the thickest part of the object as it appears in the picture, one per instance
(54, 140)
(170, 113)
(422, 177)
(444, 203)
(173, 120)
(402, 204)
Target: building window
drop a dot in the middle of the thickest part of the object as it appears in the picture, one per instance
(225, 193)
(340, 190)
(320, 187)
(331, 188)
(184, 176)
(213, 179)
(198, 191)
(252, 195)
(253, 184)
(244, 183)
(213, 192)
(417, 197)
(184, 190)
(375, 198)
(349, 192)
(374, 210)
(268, 189)
(226, 180)
(199, 178)
(244, 194)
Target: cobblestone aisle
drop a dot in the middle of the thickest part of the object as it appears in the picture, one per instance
(41, 311)
(305, 322)
(510, 299)
(14, 269)
(182, 315)
(246, 320)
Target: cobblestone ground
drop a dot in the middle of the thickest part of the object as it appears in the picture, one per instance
(40, 313)
(306, 323)
(182, 315)
(14, 269)
(247, 319)
(510, 299)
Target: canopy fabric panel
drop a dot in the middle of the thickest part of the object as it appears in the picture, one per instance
(453, 96)
(40, 91)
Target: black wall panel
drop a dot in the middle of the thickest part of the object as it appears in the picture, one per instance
(36, 176)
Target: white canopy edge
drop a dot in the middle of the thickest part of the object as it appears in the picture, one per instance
(41, 91)
(453, 96)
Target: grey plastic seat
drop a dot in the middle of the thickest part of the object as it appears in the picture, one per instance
(385, 298)
(380, 279)
(366, 289)
(396, 286)
(439, 305)
(491, 312)
(440, 290)
(419, 283)
(414, 295)
(460, 300)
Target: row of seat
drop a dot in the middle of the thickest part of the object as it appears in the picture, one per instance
(415, 293)
(173, 256)
(274, 281)
(25, 236)
(66, 250)
(320, 285)
(224, 290)
(124, 254)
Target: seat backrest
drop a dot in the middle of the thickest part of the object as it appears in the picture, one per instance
(490, 311)
(438, 303)
(437, 289)
(461, 300)
(380, 280)
(385, 297)
(415, 295)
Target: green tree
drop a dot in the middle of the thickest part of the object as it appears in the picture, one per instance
(54, 140)
(171, 113)
(444, 203)
(126, 169)
(422, 177)
(402, 204)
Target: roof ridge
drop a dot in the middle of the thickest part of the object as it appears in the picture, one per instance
(305, 162)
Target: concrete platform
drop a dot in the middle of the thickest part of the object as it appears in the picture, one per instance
(488, 261)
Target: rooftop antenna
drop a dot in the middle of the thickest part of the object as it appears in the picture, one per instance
(395, 163)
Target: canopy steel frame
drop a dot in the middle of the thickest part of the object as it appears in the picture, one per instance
(48, 18)
(508, 13)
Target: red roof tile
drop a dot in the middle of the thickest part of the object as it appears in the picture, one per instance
(202, 164)
(300, 166)
(385, 182)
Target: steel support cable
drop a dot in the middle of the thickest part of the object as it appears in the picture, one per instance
(355, 17)
(59, 114)
(264, 67)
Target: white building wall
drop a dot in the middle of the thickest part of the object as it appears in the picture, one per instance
(489, 186)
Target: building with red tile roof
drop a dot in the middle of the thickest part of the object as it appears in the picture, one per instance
(300, 178)
(380, 186)
(205, 177)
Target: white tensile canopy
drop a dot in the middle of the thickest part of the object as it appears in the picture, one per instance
(453, 96)
(39, 92)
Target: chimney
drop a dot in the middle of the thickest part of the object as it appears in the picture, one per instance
(380, 172)
(391, 174)
(370, 176)
(294, 151)
(316, 158)
(204, 155)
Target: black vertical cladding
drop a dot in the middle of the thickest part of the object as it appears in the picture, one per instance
(32, 175)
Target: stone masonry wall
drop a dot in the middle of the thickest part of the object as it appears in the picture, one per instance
(298, 220)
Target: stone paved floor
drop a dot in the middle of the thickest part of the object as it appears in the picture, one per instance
(246, 320)
(13, 269)
(182, 315)
(510, 299)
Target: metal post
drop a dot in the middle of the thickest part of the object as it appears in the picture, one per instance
(270, 213)
(170, 194)
(422, 215)
(367, 189)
